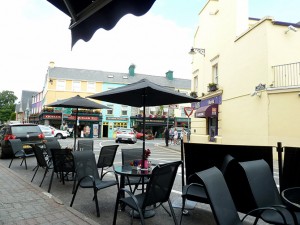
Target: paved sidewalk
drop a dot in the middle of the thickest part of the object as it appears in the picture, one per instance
(22, 202)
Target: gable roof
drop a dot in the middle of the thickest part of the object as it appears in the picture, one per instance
(114, 77)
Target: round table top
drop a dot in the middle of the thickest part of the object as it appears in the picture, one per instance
(291, 197)
(132, 171)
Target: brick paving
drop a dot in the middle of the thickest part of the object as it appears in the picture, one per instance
(22, 202)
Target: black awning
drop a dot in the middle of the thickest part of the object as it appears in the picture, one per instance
(207, 111)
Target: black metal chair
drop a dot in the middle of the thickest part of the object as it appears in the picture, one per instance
(194, 190)
(157, 192)
(87, 175)
(128, 156)
(18, 152)
(83, 145)
(265, 193)
(63, 165)
(41, 162)
(220, 199)
(51, 142)
(106, 159)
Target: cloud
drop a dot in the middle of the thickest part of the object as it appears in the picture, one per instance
(153, 43)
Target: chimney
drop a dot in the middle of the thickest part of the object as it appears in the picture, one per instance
(169, 75)
(131, 70)
(51, 64)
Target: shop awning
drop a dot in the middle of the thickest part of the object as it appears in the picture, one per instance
(207, 111)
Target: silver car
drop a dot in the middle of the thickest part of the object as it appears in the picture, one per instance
(126, 135)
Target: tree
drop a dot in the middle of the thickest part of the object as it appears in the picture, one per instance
(7, 105)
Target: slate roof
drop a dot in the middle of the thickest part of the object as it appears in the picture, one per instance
(25, 97)
(114, 77)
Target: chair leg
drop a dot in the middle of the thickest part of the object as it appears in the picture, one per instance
(96, 201)
(10, 162)
(49, 188)
(182, 209)
(46, 171)
(116, 208)
(24, 159)
(75, 192)
(172, 212)
(37, 168)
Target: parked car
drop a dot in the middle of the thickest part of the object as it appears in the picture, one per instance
(48, 132)
(126, 135)
(26, 132)
(60, 134)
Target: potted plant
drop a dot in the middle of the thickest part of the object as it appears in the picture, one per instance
(212, 87)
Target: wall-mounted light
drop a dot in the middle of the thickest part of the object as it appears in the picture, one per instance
(51, 81)
(193, 51)
(290, 27)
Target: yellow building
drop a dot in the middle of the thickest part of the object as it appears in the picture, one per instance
(254, 66)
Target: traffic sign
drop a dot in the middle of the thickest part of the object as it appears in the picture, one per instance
(188, 111)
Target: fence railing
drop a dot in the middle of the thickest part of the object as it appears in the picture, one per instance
(286, 75)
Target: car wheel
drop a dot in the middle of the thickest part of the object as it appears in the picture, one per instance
(116, 141)
(59, 136)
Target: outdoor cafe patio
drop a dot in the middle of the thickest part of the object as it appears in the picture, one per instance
(199, 214)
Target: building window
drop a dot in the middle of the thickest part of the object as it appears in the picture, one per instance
(110, 111)
(91, 86)
(124, 110)
(76, 85)
(61, 85)
(196, 83)
(215, 73)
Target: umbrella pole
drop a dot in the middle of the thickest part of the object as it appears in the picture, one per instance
(144, 127)
(75, 129)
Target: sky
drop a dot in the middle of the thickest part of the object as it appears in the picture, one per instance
(34, 33)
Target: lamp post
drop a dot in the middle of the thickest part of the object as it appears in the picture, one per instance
(193, 51)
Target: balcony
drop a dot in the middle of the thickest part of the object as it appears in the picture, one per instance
(286, 75)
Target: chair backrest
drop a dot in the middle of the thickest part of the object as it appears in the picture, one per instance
(129, 155)
(107, 156)
(220, 199)
(261, 182)
(160, 184)
(39, 155)
(85, 164)
(63, 160)
(16, 145)
(83, 145)
(51, 142)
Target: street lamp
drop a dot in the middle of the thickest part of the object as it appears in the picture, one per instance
(199, 50)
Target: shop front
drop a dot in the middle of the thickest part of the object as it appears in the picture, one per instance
(209, 110)
(154, 126)
(88, 125)
(112, 123)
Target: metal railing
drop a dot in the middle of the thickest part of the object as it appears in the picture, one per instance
(286, 75)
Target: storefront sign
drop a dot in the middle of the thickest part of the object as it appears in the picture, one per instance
(116, 118)
(53, 117)
(84, 118)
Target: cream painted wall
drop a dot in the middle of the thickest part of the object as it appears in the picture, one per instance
(245, 61)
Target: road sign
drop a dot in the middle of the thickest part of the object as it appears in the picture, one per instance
(188, 111)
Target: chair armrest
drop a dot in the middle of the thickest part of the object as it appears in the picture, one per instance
(261, 210)
(190, 185)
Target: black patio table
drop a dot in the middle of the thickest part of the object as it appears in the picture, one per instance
(291, 197)
(127, 171)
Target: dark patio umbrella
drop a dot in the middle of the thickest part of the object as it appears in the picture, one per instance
(141, 94)
(87, 16)
(77, 102)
